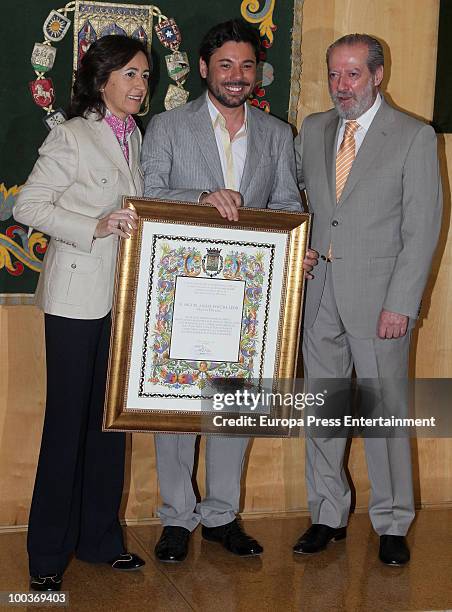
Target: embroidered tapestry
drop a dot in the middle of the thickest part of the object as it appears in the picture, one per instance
(42, 43)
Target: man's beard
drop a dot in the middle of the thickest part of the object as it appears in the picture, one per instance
(359, 107)
(224, 99)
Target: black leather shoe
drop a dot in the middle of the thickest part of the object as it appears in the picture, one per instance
(317, 537)
(127, 562)
(233, 539)
(172, 546)
(393, 550)
(50, 582)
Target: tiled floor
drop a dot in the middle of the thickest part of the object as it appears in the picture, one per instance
(347, 576)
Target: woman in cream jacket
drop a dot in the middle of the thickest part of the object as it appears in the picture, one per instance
(74, 195)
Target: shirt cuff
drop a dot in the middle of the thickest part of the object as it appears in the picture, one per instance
(205, 192)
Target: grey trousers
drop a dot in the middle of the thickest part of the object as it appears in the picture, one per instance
(329, 351)
(224, 462)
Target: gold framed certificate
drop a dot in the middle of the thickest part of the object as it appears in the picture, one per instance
(201, 301)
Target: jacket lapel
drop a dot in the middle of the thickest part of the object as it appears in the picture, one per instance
(331, 133)
(373, 142)
(200, 124)
(111, 146)
(255, 141)
(134, 155)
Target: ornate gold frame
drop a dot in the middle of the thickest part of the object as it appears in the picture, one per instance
(296, 226)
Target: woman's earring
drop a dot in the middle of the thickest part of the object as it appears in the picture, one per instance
(102, 90)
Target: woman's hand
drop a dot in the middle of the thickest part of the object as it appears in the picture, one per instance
(122, 222)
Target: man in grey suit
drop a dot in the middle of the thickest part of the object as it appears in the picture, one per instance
(372, 181)
(221, 151)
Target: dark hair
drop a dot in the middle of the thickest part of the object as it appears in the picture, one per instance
(104, 56)
(235, 30)
(375, 57)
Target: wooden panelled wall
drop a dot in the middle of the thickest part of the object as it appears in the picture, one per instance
(275, 472)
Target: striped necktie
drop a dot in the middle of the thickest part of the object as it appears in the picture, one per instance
(345, 156)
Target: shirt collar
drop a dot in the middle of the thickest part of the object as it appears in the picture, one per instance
(121, 128)
(217, 117)
(366, 118)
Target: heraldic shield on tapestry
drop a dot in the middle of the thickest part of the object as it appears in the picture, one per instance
(92, 20)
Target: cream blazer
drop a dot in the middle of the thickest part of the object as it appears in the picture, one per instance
(80, 176)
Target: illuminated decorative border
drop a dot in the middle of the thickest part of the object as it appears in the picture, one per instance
(187, 260)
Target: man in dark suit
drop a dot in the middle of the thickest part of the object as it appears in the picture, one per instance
(372, 181)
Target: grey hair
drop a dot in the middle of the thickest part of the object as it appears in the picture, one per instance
(375, 57)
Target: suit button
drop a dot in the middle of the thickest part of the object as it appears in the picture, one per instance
(73, 265)
(335, 223)
(323, 257)
(104, 180)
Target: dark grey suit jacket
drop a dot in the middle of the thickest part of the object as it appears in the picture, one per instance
(180, 158)
(385, 227)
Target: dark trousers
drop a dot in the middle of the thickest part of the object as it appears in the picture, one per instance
(80, 473)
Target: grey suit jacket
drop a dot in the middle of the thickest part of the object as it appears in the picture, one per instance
(385, 227)
(80, 176)
(180, 158)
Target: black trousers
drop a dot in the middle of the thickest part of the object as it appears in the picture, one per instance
(80, 473)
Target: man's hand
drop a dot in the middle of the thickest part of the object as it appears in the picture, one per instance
(121, 222)
(311, 259)
(392, 324)
(226, 201)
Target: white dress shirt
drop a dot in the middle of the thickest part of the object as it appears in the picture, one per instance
(364, 124)
(232, 153)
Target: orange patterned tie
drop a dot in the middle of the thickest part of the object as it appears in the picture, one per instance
(345, 156)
